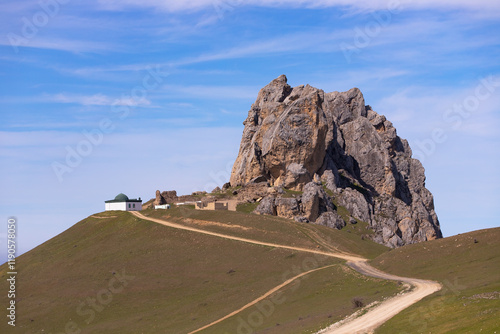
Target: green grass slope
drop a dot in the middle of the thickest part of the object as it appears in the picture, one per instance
(320, 299)
(120, 274)
(351, 239)
(468, 267)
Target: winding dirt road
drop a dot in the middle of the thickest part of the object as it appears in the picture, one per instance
(339, 255)
(366, 323)
(375, 317)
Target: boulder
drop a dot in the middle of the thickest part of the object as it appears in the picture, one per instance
(315, 201)
(287, 207)
(266, 206)
(331, 219)
(301, 219)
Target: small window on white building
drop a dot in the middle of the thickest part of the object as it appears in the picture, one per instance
(129, 205)
(134, 205)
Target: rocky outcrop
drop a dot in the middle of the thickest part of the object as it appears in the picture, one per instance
(313, 205)
(165, 197)
(170, 197)
(334, 151)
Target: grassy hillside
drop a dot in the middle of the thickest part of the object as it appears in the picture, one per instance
(115, 273)
(351, 239)
(468, 266)
(314, 303)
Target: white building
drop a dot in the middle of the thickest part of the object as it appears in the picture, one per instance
(123, 203)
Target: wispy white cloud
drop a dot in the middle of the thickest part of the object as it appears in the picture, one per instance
(365, 5)
(73, 46)
(486, 126)
(95, 100)
(212, 92)
(308, 42)
(46, 125)
(16, 7)
(439, 44)
(480, 9)
(367, 79)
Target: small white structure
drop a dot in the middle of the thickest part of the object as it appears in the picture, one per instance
(162, 207)
(123, 203)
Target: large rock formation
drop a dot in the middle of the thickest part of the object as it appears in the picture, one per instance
(337, 151)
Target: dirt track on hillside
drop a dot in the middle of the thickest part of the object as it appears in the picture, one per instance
(376, 316)
(264, 296)
(366, 323)
(344, 256)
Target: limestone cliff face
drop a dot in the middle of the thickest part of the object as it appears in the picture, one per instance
(304, 139)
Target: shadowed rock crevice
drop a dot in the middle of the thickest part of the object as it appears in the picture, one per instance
(331, 147)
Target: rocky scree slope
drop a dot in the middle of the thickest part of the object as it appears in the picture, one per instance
(336, 155)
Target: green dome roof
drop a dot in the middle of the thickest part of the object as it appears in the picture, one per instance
(121, 197)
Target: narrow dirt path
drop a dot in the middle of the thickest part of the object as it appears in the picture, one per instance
(264, 296)
(366, 323)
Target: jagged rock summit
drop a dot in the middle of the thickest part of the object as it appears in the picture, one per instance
(334, 151)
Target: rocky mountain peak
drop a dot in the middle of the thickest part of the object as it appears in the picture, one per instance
(338, 152)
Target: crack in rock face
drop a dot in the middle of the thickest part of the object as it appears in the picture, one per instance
(331, 150)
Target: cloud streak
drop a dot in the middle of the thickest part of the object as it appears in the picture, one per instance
(73, 46)
(96, 100)
(357, 5)
(212, 92)
(440, 44)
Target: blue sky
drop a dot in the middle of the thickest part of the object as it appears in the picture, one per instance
(152, 95)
